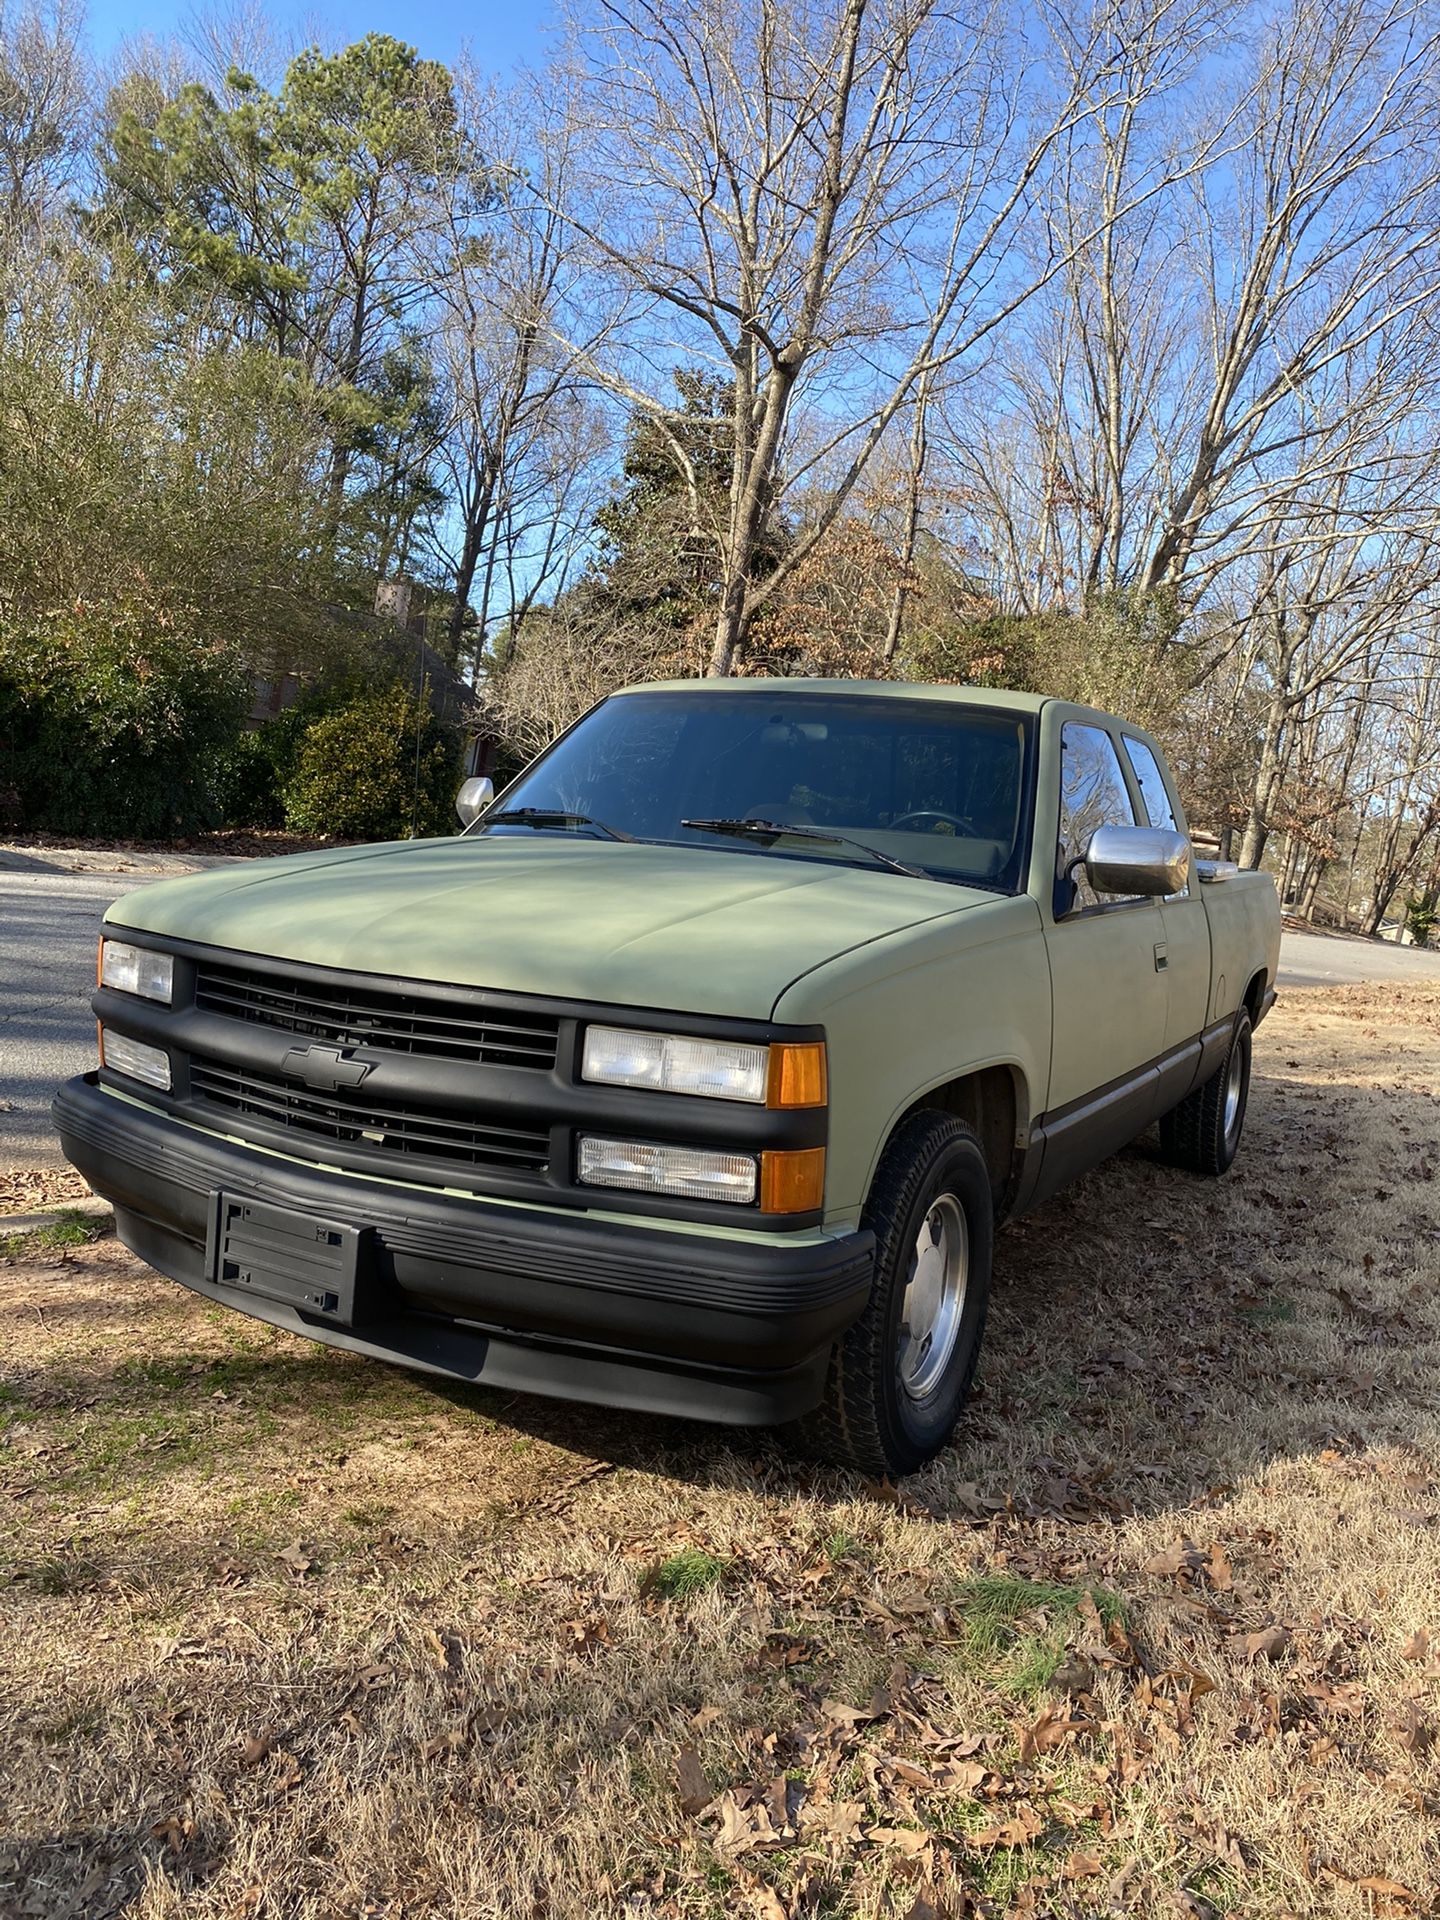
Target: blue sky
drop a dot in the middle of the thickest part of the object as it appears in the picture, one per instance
(499, 33)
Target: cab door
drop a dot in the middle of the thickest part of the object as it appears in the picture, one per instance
(1187, 935)
(1108, 963)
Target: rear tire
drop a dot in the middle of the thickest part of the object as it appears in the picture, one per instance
(901, 1374)
(1202, 1134)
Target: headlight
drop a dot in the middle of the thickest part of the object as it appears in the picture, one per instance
(137, 970)
(689, 1173)
(777, 1076)
(133, 1058)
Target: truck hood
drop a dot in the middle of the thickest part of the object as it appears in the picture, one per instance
(708, 931)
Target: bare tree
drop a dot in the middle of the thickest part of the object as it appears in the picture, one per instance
(818, 197)
(44, 109)
(1220, 345)
(1317, 237)
(526, 432)
(1409, 772)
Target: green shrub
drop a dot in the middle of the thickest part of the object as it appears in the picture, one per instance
(245, 787)
(112, 725)
(355, 771)
(1422, 916)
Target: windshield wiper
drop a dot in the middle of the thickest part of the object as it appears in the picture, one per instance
(772, 829)
(541, 817)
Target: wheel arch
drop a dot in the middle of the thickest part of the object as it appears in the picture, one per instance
(994, 1101)
(1253, 998)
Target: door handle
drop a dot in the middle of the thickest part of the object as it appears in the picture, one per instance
(1162, 956)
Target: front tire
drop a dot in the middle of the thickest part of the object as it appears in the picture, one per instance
(1203, 1133)
(901, 1374)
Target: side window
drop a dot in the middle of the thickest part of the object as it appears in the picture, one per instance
(1152, 785)
(1092, 794)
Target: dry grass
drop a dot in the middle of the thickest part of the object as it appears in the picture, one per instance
(293, 1634)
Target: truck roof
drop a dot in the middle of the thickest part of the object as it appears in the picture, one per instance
(889, 689)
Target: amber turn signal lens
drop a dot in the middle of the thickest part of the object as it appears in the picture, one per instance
(792, 1182)
(797, 1075)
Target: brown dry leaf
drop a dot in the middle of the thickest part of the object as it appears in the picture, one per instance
(1414, 1732)
(255, 1749)
(1417, 1647)
(844, 1716)
(1082, 1866)
(908, 1840)
(1268, 1644)
(175, 1830)
(1025, 1825)
(962, 1776)
(1180, 1557)
(588, 1634)
(926, 1907)
(742, 1828)
(783, 1798)
(1218, 1570)
(298, 1561)
(766, 1903)
(913, 1776)
(1377, 1883)
(695, 1790)
(1051, 1730)
(840, 1821)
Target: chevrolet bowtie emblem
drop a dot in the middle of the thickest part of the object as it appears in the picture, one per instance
(326, 1069)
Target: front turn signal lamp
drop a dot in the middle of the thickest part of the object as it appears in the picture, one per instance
(792, 1182)
(783, 1075)
(797, 1075)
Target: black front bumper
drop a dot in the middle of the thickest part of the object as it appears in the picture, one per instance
(506, 1296)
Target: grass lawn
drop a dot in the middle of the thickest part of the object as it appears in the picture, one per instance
(289, 1633)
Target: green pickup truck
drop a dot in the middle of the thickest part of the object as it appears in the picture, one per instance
(696, 1072)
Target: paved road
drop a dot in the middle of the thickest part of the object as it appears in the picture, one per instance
(49, 923)
(1331, 959)
(50, 908)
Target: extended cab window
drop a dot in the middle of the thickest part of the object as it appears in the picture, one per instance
(941, 786)
(1092, 794)
(1158, 810)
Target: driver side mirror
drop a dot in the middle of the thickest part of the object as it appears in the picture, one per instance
(1143, 860)
(473, 798)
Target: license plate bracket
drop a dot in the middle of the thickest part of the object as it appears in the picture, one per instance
(323, 1268)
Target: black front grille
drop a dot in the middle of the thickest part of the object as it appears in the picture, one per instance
(397, 1018)
(346, 1118)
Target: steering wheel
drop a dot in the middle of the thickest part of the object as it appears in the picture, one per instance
(956, 820)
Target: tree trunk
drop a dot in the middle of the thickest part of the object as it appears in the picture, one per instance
(919, 453)
(464, 580)
(1267, 781)
(729, 629)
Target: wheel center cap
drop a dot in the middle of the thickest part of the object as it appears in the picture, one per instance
(925, 1290)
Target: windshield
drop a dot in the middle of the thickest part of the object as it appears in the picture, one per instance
(935, 785)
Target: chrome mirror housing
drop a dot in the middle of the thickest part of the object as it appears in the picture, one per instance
(473, 798)
(1145, 860)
